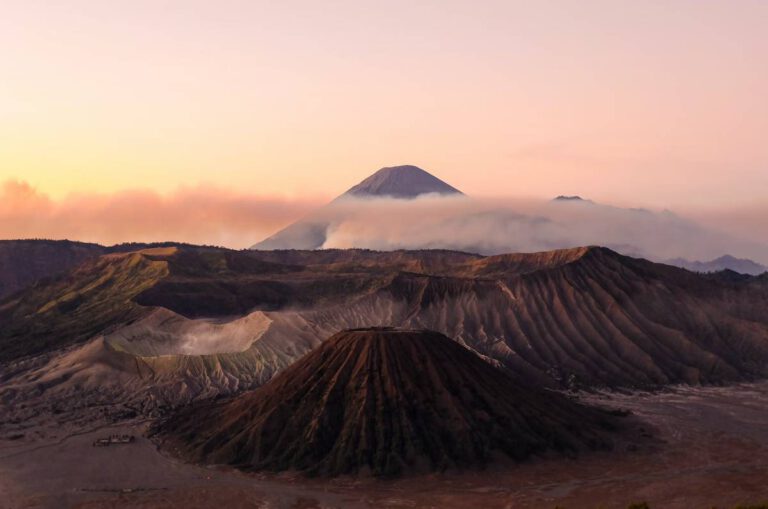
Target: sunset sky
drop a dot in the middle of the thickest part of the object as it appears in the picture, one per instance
(652, 103)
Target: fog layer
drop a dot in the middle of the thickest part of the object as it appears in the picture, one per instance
(497, 226)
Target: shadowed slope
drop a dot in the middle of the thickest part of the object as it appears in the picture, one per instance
(85, 302)
(506, 265)
(384, 401)
(601, 318)
(23, 262)
(576, 317)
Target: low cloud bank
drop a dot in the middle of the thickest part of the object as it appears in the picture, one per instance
(497, 226)
(199, 215)
(207, 215)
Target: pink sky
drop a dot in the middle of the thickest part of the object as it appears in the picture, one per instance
(650, 103)
(198, 215)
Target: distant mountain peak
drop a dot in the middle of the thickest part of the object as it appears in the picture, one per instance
(564, 197)
(406, 181)
(731, 258)
(401, 182)
(725, 262)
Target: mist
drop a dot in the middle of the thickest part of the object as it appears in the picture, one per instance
(203, 214)
(492, 226)
(208, 215)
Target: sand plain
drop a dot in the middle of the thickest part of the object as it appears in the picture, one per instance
(710, 449)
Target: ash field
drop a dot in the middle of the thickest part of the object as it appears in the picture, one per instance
(708, 450)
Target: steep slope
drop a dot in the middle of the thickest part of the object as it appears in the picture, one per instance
(401, 182)
(155, 329)
(602, 319)
(580, 317)
(23, 262)
(425, 261)
(116, 289)
(384, 401)
(514, 264)
(397, 182)
(27, 261)
(73, 308)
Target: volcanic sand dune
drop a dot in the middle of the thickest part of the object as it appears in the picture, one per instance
(385, 401)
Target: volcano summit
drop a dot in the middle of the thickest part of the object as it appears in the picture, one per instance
(395, 182)
(401, 182)
(385, 401)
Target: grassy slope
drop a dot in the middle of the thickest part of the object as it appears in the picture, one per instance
(75, 307)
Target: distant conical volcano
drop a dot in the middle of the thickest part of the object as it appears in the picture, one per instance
(401, 182)
(398, 182)
(384, 401)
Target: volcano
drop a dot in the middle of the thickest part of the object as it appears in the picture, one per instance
(401, 182)
(395, 182)
(384, 401)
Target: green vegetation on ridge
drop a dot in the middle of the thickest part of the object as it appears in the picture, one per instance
(77, 306)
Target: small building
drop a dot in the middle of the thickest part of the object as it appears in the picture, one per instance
(114, 439)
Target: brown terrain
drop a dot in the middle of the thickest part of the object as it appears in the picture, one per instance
(128, 336)
(144, 331)
(24, 262)
(712, 454)
(581, 317)
(385, 401)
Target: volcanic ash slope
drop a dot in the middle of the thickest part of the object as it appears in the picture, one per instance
(384, 402)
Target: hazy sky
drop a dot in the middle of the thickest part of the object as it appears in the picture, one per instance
(658, 103)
